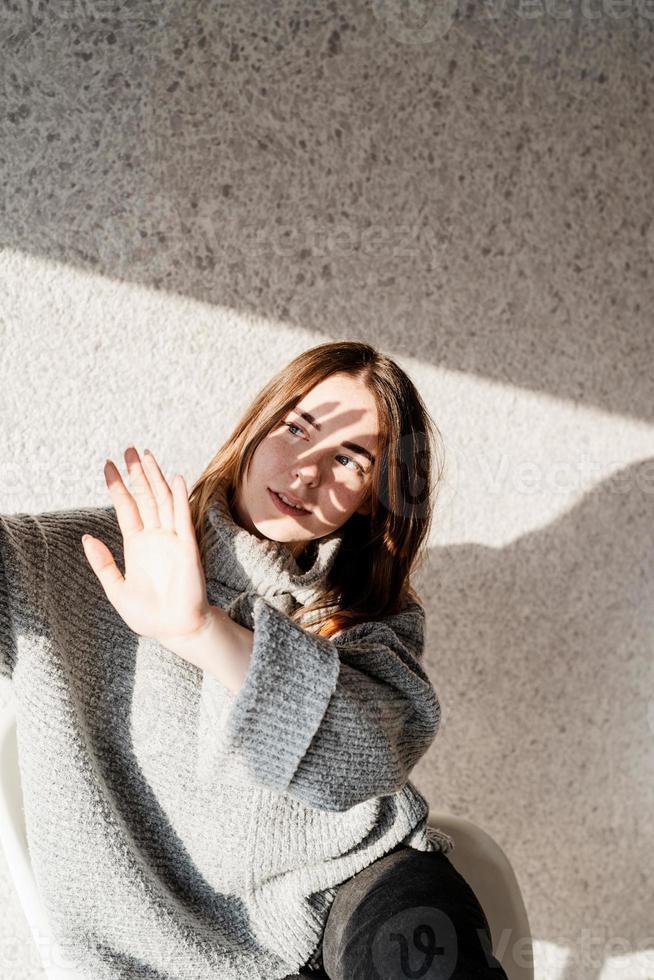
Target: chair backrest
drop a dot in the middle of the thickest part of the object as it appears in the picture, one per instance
(13, 839)
(487, 869)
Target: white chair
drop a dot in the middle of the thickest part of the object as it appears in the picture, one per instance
(486, 868)
(14, 844)
(476, 856)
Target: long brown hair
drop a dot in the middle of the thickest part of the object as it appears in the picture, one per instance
(371, 576)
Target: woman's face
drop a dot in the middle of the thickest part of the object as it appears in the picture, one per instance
(317, 465)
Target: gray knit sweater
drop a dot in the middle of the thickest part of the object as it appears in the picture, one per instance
(179, 830)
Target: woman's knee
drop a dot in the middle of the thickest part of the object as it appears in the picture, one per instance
(410, 914)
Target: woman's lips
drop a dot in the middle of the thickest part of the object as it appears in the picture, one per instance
(285, 509)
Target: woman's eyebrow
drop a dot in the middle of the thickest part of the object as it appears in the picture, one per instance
(352, 446)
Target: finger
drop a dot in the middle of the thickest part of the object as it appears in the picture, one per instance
(141, 490)
(102, 562)
(162, 492)
(183, 517)
(129, 518)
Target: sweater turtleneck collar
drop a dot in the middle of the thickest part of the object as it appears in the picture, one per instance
(244, 562)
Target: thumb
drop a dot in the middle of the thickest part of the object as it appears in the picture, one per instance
(102, 562)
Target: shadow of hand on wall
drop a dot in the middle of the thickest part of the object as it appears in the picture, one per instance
(541, 655)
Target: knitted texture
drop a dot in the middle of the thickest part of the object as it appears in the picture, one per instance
(179, 830)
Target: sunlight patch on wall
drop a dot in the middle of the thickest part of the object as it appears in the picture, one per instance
(515, 460)
(594, 959)
(85, 355)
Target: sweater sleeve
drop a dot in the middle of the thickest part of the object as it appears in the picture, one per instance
(23, 559)
(39, 554)
(333, 722)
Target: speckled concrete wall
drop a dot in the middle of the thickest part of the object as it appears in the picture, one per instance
(193, 193)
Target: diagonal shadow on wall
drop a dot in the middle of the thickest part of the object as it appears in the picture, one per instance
(475, 198)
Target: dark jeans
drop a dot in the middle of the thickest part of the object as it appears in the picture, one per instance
(408, 916)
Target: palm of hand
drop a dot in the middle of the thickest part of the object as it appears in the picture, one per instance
(163, 593)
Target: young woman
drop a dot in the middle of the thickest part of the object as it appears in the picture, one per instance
(220, 697)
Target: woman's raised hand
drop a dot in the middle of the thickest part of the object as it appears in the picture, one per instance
(163, 594)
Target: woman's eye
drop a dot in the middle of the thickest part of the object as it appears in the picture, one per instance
(292, 425)
(360, 468)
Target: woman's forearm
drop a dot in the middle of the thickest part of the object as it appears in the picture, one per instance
(223, 648)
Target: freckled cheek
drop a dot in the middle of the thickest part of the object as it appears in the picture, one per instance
(338, 505)
(273, 458)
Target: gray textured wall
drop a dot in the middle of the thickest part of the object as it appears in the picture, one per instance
(191, 194)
